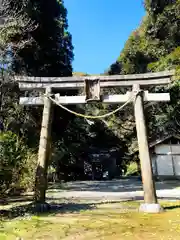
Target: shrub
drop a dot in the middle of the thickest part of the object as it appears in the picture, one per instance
(27, 177)
(17, 163)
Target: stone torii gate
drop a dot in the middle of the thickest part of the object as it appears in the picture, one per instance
(92, 86)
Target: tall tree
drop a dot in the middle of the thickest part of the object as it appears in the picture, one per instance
(37, 33)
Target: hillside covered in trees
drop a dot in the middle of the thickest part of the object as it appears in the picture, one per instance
(154, 46)
(35, 41)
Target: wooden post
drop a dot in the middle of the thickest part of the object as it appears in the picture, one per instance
(146, 166)
(44, 152)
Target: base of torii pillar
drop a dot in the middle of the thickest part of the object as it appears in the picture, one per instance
(150, 208)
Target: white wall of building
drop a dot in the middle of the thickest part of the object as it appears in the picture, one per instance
(166, 160)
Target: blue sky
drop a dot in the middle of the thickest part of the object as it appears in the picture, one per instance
(99, 30)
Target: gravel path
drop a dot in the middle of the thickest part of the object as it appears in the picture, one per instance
(125, 189)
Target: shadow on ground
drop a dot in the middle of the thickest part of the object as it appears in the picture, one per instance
(172, 207)
(13, 199)
(26, 210)
(52, 208)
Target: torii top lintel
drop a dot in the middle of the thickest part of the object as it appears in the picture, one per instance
(75, 82)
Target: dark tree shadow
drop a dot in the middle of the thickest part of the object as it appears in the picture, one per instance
(53, 208)
(177, 206)
(15, 199)
(169, 199)
(65, 208)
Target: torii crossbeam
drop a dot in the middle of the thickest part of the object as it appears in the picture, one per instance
(92, 86)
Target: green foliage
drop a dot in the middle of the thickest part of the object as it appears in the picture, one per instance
(132, 169)
(154, 46)
(170, 61)
(36, 32)
(156, 7)
(38, 36)
(28, 173)
(133, 58)
(166, 27)
(153, 40)
(16, 165)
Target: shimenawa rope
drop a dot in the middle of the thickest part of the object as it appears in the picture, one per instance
(90, 116)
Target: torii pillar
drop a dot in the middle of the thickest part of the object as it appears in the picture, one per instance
(44, 153)
(150, 204)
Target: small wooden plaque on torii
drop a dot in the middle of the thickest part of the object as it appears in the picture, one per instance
(92, 90)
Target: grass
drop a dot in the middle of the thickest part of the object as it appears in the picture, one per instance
(109, 221)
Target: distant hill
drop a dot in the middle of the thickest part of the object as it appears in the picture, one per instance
(86, 74)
